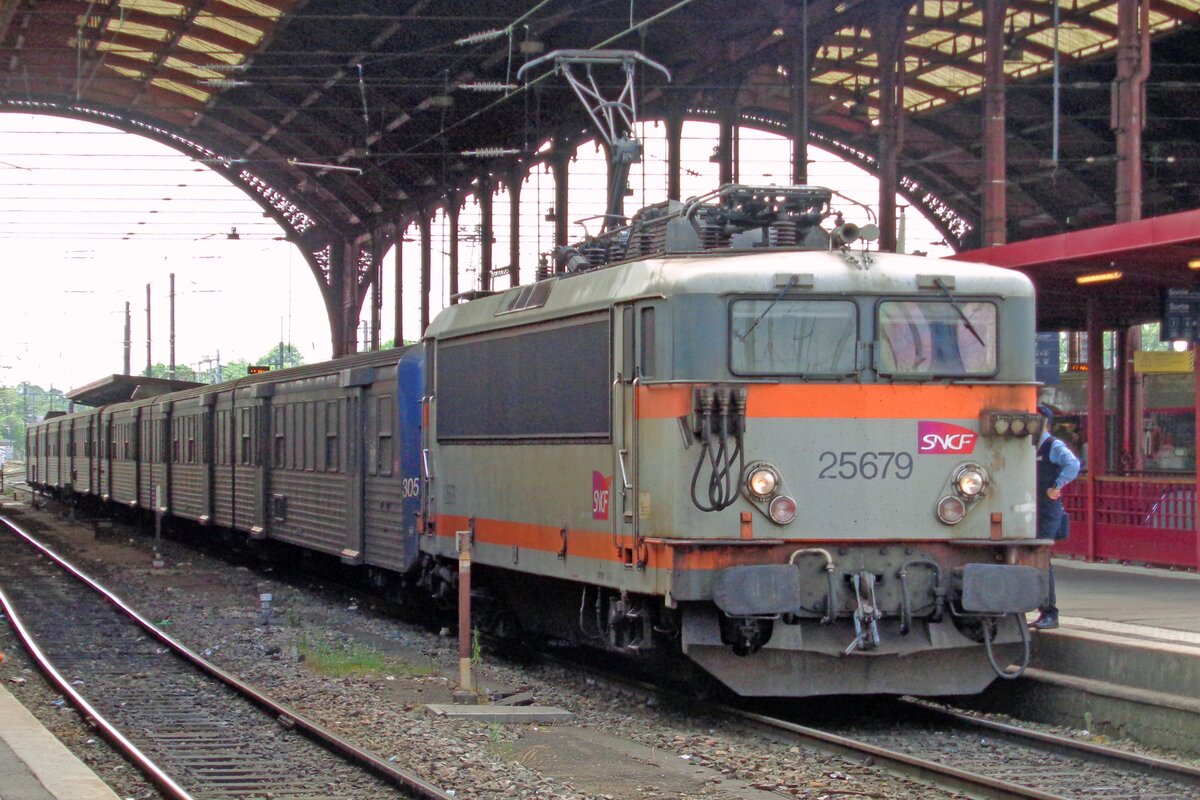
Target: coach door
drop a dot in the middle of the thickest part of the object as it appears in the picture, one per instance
(629, 349)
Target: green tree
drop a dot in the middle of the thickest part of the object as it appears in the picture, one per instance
(182, 372)
(282, 356)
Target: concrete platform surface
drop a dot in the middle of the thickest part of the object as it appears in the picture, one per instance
(516, 715)
(1133, 600)
(36, 766)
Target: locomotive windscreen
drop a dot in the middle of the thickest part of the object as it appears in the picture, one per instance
(545, 383)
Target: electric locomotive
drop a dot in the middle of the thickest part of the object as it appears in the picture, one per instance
(805, 465)
(721, 432)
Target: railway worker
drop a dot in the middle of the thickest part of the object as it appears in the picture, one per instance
(1056, 467)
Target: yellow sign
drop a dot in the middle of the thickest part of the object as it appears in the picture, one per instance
(1144, 361)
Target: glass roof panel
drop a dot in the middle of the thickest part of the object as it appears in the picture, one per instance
(161, 8)
(214, 51)
(116, 27)
(188, 91)
(256, 9)
(191, 69)
(238, 30)
(126, 50)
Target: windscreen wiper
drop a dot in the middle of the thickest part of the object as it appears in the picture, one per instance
(954, 303)
(792, 281)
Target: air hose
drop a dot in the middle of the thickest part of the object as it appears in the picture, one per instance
(722, 415)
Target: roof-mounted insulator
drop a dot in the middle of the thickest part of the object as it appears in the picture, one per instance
(482, 36)
(491, 152)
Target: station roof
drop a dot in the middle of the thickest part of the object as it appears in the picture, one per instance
(120, 388)
(342, 115)
(1123, 267)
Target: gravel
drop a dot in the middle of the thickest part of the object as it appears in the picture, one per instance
(213, 607)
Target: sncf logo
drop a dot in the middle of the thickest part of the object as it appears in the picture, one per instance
(600, 495)
(942, 438)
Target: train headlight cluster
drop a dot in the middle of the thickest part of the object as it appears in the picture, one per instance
(782, 510)
(970, 480)
(1011, 423)
(951, 510)
(763, 485)
(967, 485)
(762, 480)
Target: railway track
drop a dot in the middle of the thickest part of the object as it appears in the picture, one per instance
(958, 752)
(193, 729)
(986, 759)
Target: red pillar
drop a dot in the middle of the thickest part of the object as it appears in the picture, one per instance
(1196, 457)
(995, 216)
(1095, 419)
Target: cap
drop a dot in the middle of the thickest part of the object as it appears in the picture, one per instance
(1045, 411)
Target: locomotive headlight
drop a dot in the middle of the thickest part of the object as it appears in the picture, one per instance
(951, 510)
(1018, 425)
(971, 480)
(1000, 424)
(782, 510)
(762, 481)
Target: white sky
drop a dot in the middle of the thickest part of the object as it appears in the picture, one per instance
(90, 215)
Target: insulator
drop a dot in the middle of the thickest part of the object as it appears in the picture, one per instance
(781, 233)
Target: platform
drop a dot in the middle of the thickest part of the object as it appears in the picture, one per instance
(36, 766)
(1125, 661)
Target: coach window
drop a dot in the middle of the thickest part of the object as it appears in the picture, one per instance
(331, 436)
(280, 442)
(383, 453)
(774, 336)
(191, 440)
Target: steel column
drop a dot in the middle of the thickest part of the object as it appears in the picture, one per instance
(376, 294)
(801, 64)
(486, 232)
(889, 30)
(674, 133)
(515, 180)
(452, 209)
(725, 156)
(995, 212)
(351, 304)
(560, 168)
(401, 227)
(1128, 104)
(424, 223)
